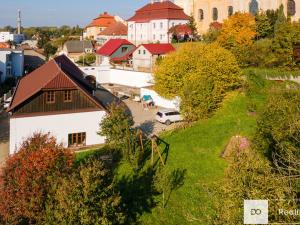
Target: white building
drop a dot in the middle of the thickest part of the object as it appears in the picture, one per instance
(57, 99)
(11, 63)
(145, 56)
(208, 11)
(7, 36)
(151, 23)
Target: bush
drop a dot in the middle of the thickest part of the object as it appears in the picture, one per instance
(87, 196)
(27, 176)
(200, 74)
(278, 132)
(89, 58)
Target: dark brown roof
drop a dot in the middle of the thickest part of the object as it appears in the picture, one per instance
(56, 74)
(76, 46)
(159, 10)
(116, 29)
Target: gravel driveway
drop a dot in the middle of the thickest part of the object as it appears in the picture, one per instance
(145, 119)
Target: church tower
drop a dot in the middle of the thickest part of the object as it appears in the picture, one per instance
(187, 5)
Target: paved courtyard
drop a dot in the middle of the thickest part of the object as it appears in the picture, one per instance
(4, 136)
(145, 118)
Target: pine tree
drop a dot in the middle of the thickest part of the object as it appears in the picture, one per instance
(263, 26)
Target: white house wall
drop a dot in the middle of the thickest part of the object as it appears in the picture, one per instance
(58, 125)
(152, 31)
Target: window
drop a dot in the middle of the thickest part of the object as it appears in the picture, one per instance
(154, 25)
(161, 25)
(201, 14)
(141, 36)
(253, 7)
(144, 52)
(77, 139)
(139, 52)
(124, 49)
(67, 96)
(154, 37)
(230, 10)
(50, 97)
(141, 25)
(215, 14)
(173, 24)
(161, 37)
(291, 8)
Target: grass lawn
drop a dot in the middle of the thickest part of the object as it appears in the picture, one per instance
(196, 149)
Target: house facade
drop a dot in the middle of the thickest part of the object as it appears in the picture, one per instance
(208, 11)
(7, 36)
(57, 99)
(145, 56)
(114, 50)
(151, 23)
(11, 63)
(75, 48)
(117, 30)
(99, 24)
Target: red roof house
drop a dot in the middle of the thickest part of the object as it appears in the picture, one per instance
(151, 23)
(103, 20)
(117, 30)
(159, 10)
(114, 49)
(145, 56)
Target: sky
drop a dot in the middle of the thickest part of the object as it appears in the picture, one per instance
(63, 12)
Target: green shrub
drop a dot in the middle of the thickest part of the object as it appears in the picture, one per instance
(87, 196)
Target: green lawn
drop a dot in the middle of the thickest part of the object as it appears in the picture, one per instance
(196, 149)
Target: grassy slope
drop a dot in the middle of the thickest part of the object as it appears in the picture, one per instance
(197, 149)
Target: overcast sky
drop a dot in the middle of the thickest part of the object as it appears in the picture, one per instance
(63, 12)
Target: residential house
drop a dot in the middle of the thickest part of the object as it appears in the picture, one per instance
(151, 23)
(99, 24)
(181, 32)
(11, 63)
(33, 58)
(145, 56)
(75, 48)
(6, 36)
(114, 50)
(208, 11)
(117, 30)
(57, 99)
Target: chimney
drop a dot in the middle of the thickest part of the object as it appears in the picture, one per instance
(19, 22)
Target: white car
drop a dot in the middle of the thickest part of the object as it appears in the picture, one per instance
(7, 103)
(168, 116)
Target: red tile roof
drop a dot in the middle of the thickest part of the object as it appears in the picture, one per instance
(104, 20)
(159, 10)
(57, 73)
(159, 49)
(4, 45)
(116, 29)
(111, 46)
(181, 29)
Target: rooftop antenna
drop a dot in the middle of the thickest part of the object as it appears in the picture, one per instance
(19, 21)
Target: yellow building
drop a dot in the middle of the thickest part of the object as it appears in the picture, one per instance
(208, 11)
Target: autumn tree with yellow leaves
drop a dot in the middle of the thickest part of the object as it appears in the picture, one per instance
(238, 30)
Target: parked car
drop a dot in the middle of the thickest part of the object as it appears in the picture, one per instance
(7, 103)
(168, 116)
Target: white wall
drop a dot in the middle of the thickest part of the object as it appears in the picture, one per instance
(139, 59)
(58, 125)
(160, 101)
(151, 32)
(106, 75)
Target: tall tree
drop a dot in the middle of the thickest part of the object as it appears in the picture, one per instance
(263, 26)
